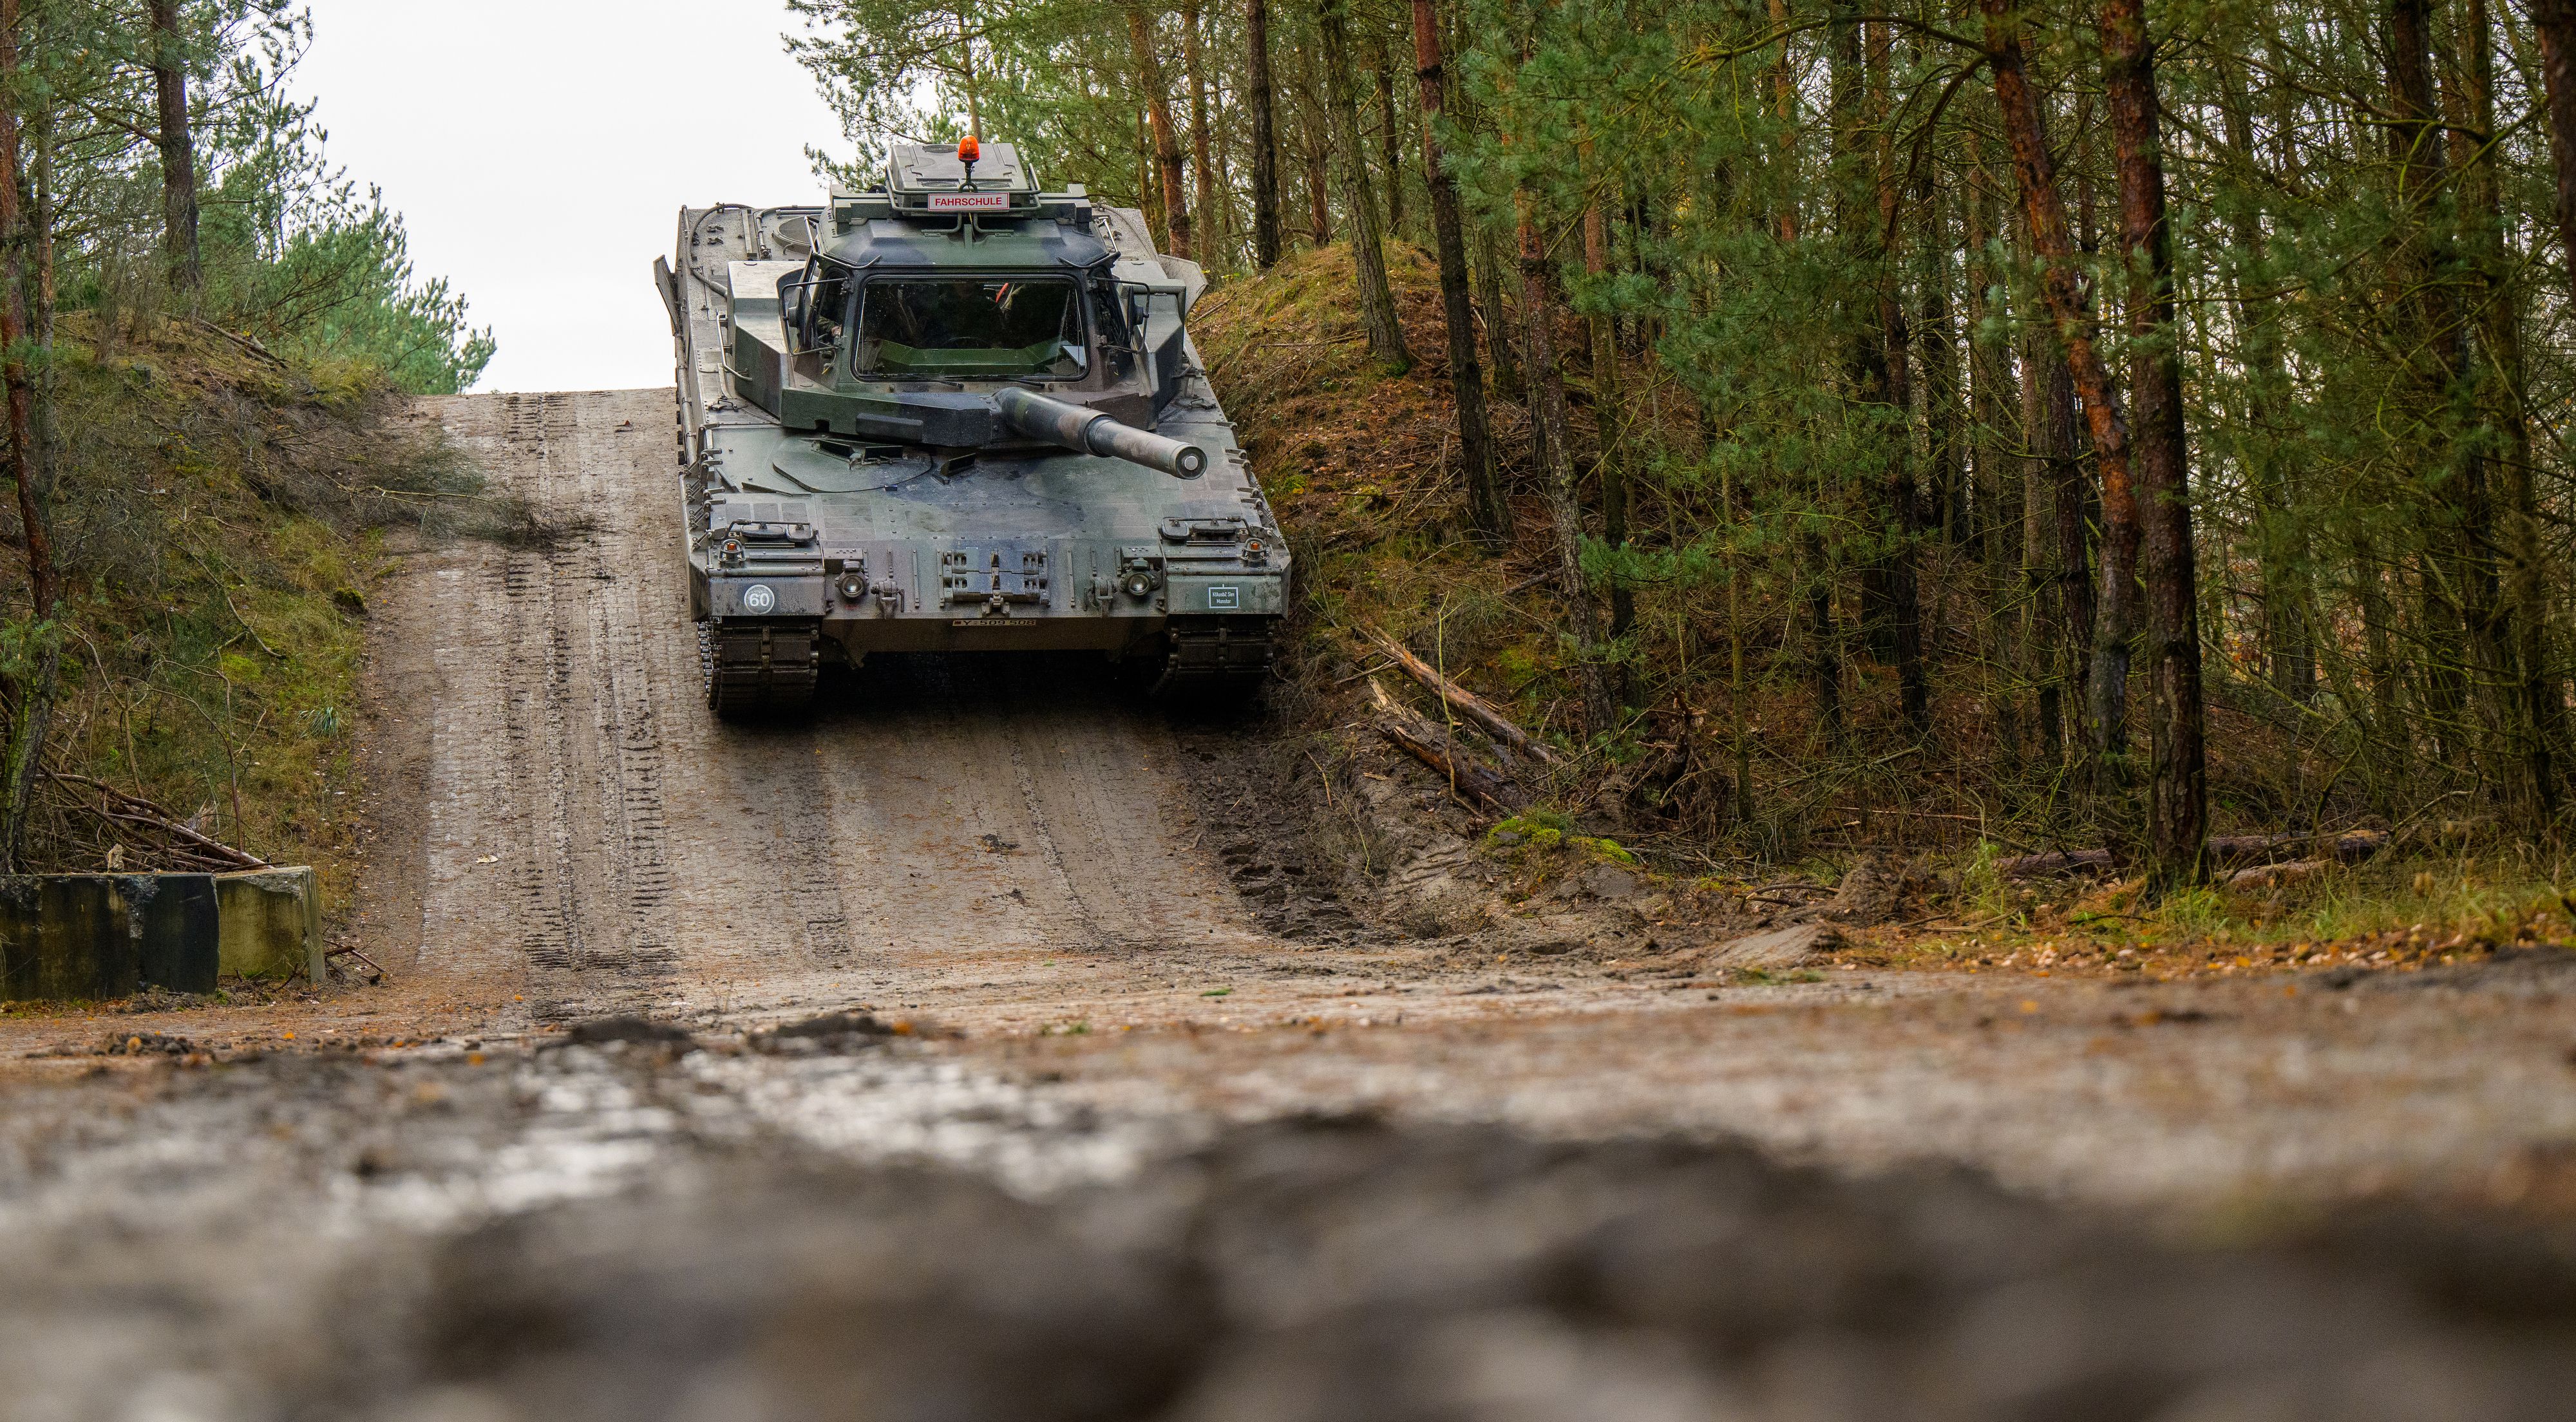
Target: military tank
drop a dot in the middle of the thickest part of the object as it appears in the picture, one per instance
(952, 413)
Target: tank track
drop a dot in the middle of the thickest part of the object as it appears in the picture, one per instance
(1220, 660)
(758, 670)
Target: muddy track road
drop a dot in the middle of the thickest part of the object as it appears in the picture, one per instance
(591, 838)
(1173, 1133)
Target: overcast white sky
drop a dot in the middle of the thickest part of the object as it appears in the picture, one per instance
(539, 151)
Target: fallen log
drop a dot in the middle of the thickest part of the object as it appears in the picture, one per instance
(1430, 745)
(2273, 876)
(1466, 703)
(2059, 861)
(245, 342)
(2235, 851)
(2228, 853)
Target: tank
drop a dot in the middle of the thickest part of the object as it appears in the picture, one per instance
(957, 413)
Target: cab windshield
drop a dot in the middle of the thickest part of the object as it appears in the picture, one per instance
(989, 326)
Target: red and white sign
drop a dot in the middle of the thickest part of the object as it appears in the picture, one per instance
(970, 202)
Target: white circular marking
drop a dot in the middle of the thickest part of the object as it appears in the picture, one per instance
(759, 597)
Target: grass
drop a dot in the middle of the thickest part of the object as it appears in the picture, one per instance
(2400, 912)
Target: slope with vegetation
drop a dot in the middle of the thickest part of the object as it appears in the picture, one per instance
(2049, 427)
(1357, 462)
(207, 330)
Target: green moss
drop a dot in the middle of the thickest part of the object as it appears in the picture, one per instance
(1603, 848)
(1531, 830)
(1548, 830)
(1534, 821)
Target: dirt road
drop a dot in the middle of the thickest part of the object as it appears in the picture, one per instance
(1164, 1100)
(597, 841)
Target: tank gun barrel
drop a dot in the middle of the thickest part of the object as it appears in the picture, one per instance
(1094, 432)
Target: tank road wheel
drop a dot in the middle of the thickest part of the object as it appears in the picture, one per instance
(757, 670)
(1217, 661)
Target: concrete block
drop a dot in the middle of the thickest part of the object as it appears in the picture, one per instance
(64, 936)
(272, 923)
(177, 927)
(84, 937)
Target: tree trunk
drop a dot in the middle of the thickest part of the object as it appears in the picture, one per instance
(1816, 593)
(1167, 140)
(2517, 642)
(2044, 618)
(1938, 390)
(1265, 137)
(2554, 23)
(1368, 251)
(2279, 545)
(2065, 505)
(2178, 782)
(1547, 412)
(2044, 212)
(1313, 146)
(1994, 526)
(1825, 654)
(2394, 765)
(1896, 374)
(178, 156)
(44, 208)
(1391, 141)
(1998, 490)
(1610, 413)
(2458, 605)
(1487, 511)
(1204, 225)
(2112, 603)
(30, 700)
(1784, 103)
(1855, 235)
(1501, 346)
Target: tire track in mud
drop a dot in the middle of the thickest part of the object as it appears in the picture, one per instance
(1084, 921)
(1066, 740)
(578, 788)
(1086, 753)
(800, 853)
(534, 776)
(633, 823)
(945, 845)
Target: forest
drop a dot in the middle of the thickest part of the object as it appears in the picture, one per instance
(202, 323)
(2077, 423)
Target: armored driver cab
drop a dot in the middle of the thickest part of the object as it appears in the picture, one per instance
(956, 414)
